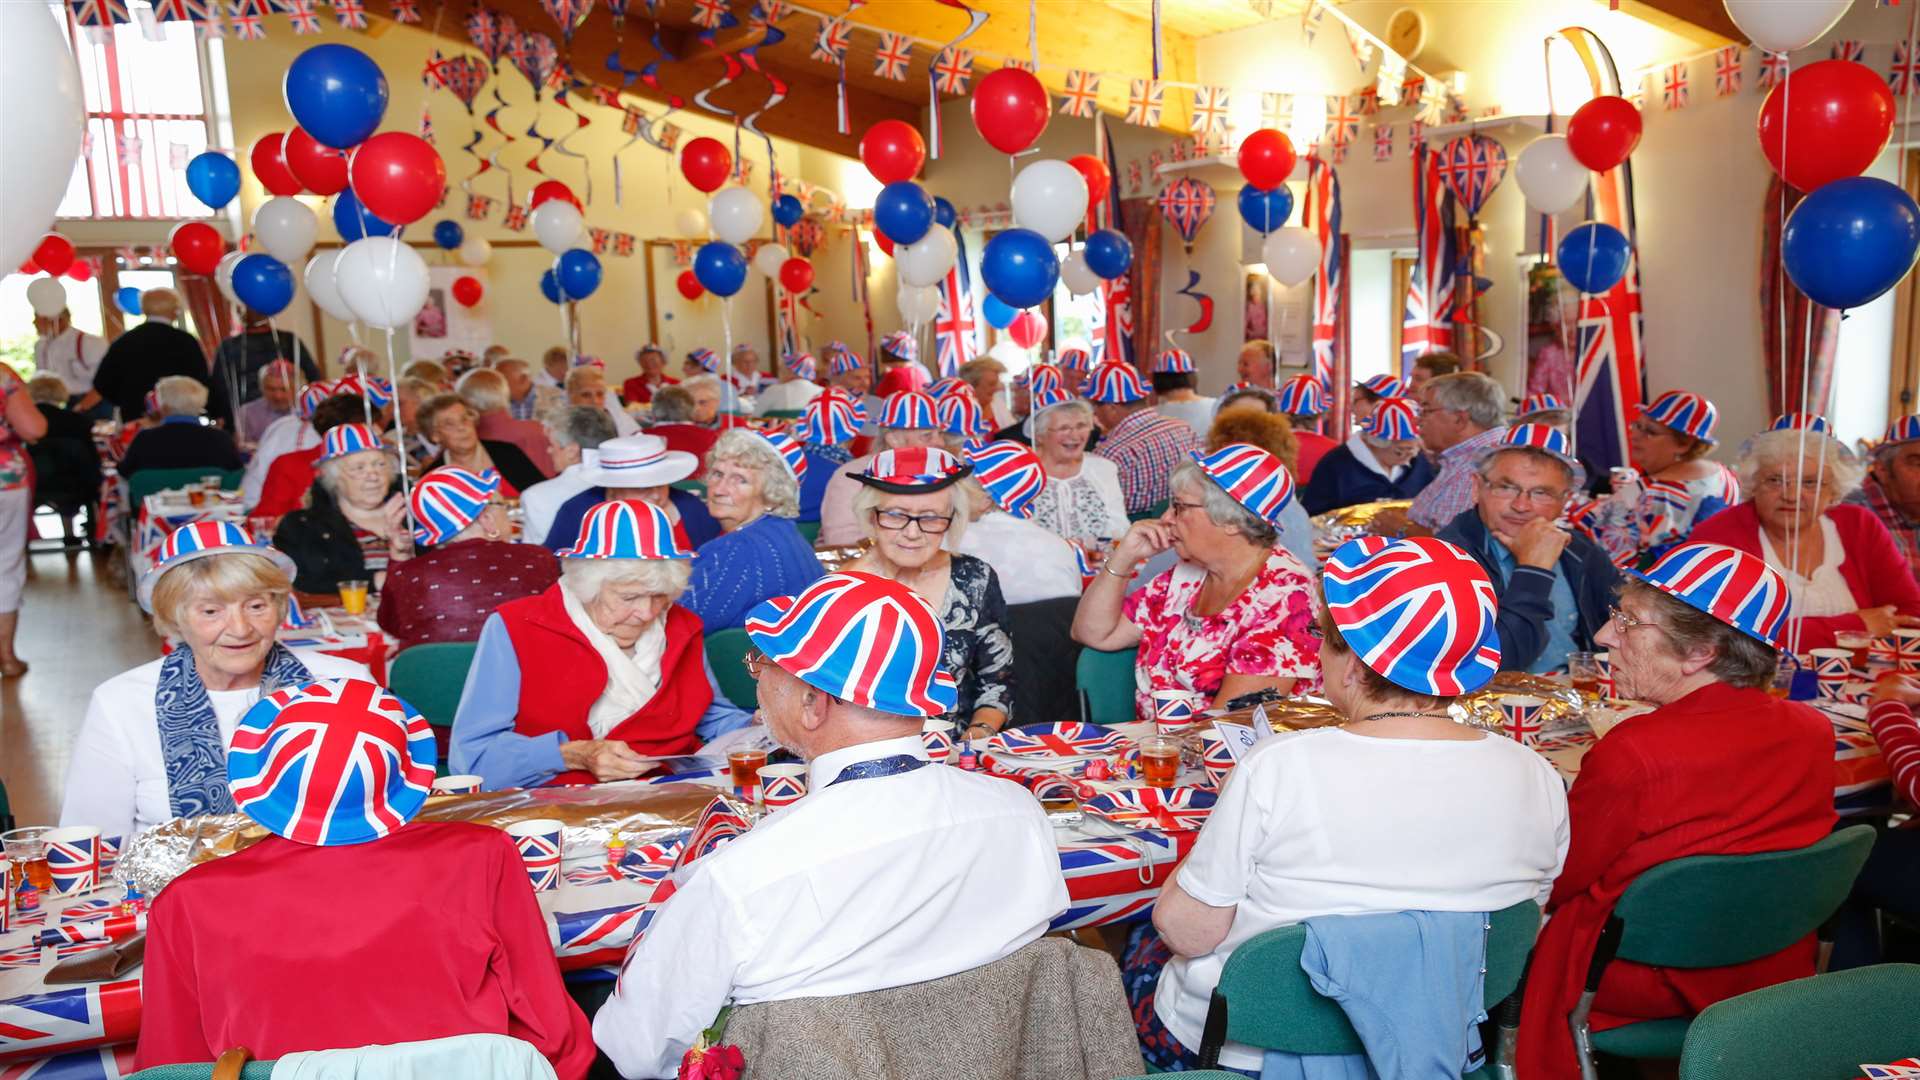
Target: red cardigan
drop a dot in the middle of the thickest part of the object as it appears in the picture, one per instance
(1876, 572)
(1312, 446)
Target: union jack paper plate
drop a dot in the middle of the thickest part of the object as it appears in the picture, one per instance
(1175, 809)
(1065, 739)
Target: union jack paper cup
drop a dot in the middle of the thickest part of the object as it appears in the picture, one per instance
(1215, 758)
(938, 739)
(73, 858)
(1174, 710)
(1884, 650)
(1522, 715)
(1604, 661)
(1832, 667)
(539, 844)
(782, 785)
(1906, 645)
(6, 895)
(457, 784)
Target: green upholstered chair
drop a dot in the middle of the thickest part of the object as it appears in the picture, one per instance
(430, 678)
(1822, 1028)
(1105, 681)
(727, 651)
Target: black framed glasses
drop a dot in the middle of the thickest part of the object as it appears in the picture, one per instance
(896, 520)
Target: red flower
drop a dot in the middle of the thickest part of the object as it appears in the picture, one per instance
(712, 1063)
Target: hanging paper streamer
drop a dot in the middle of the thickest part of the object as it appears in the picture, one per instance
(1156, 40)
(1187, 204)
(492, 32)
(974, 21)
(569, 14)
(628, 76)
(651, 73)
(565, 81)
(536, 56)
(1199, 325)
(776, 86)
(714, 17)
(830, 47)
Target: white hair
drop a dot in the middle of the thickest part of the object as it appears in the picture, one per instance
(778, 489)
(1222, 509)
(181, 395)
(585, 578)
(1045, 419)
(1843, 470)
(867, 500)
(485, 389)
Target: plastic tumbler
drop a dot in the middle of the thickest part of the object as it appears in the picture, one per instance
(353, 597)
(1160, 760)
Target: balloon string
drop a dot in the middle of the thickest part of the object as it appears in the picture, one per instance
(399, 435)
(727, 389)
(1786, 286)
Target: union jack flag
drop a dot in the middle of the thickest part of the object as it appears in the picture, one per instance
(1023, 65)
(1180, 809)
(1113, 337)
(1416, 135)
(1082, 93)
(206, 19)
(953, 325)
(1472, 166)
(1323, 214)
(1383, 142)
(1773, 69)
(351, 13)
(248, 18)
(479, 207)
(1310, 18)
(892, 56)
(98, 14)
(301, 14)
(718, 823)
(600, 239)
(610, 930)
(1611, 352)
(71, 1017)
(1145, 99)
(1726, 71)
(709, 13)
(1066, 738)
(1210, 104)
(648, 862)
(1343, 125)
(516, 219)
(19, 957)
(1412, 89)
(1368, 101)
(1276, 110)
(1849, 50)
(1673, 87)
(171, 11)
(1428, 326)
(406, 12)
(1902, 73)
(953, 70)
(830, 45)
(623, 244)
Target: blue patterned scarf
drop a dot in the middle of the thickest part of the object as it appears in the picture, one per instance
(190, 744)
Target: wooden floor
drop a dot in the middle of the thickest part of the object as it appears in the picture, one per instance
(77, 628)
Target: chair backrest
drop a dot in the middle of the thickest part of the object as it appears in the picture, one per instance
(203, 1070)
(1157, 510)
(1821, 1028)
(6, 809)
(148, 481)
(1713, 910)
(431, 677)
(726, 652)
(1271, 1005)
(1106, 684)
(808, 529)
(783, 414)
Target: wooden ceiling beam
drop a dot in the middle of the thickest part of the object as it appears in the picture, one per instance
(1704, 22)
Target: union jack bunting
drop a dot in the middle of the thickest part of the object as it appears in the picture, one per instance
(406, 12)
(248, 18)
(352, 14)
(1178, 809)
(171, 11)
(300, 13)
(1343, 124)
(1383, 142)
(953, 70)
(1849, 50)
(98, 14)
(630, 120)
(669, 135)
(709, 13)
(1310, 19)
(830, 44)
(1134, 177)
(1773, 70)
(600, 238)
(1180, 151)
(1416, 135)
(1673, 87)
(1428, 325)
(1082, 95)
(1145, 99)
(683, 253)
(1726, 71)
(1412, 89)
(1419, 611)
(1276, 110)
(1015, 62)
(623, 244)
(1210, 104)
(892, 56)
(1902, 72)
(206, 19)
(516, 219)
(479, 207)
(1066, 738)
(955, 334)
(1367, 101)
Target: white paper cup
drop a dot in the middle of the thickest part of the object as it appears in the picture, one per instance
(457, 784)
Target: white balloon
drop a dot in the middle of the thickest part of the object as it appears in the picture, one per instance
(1078, 276)
(736, 214)
(286, 228)
(384, 281)
(691, 223)
(41, 136)
(47, 295)
(1549, 175)
(558, 226)
(1292, 254)
(322, 287)
(476, 251)
(223, 274)
(926, 260)
(769, 259)
(1784, 25)
(1050, 197)
(1010, 354)
(917, 303)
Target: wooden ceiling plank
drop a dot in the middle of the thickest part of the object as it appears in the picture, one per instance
(1705, 22)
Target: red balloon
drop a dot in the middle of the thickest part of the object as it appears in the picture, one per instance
(269, 161)
(1010, 109)
(689, 285)
(1842, 118)
(322, 169)
(706, 164)
(29, 267)
(893, 151)
(796, 275)
(197, 245)
(1094, 172)
(54, 254)
(1028, 329)
(468, 290)
(1603, 132)
(398, 177)
(1267, 158)
(81, 270)
(886, 245)
(553, 189)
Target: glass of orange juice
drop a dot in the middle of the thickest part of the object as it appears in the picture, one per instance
(1160, 760)
(353, 597)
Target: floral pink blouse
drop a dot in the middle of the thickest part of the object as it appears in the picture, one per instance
(1267, 630)
(14, 468)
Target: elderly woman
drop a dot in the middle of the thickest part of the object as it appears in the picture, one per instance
(153, 746)
(1719, 767)
(182, 439)
(1246, 396)
(753, 492)
(1281, 847)
(636, 467)
(1031, 563)
(453, 426)
(1842, 567)
(355, 523)
(916, 514)
(1082, 500)
(637, 682)
(1235, 615)
(1369, 392)
(488, 393)
(1273, 433)
(829, 423)
(467, 564)
(908, 418)
(1677, 487)
(1380, 460)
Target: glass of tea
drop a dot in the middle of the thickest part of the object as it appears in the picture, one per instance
(1160, 760)
(1583, 671)
(27, 849)
(745, 766)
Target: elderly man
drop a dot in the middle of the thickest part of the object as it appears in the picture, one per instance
(587, 386)
(526, 399)
(238, 361)
(74, 355)
(887, 872)
(1555, 587)
(1144, 445)
(274, 402)
(1459, 420)
(554, 365)
(148, 353)
(485, 391)
(653, 375)
(795, 389)
(572, 433)
(986, 375)
(1255, 365)
(1892, 487)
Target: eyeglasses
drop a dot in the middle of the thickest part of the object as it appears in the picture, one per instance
(896, 520)
(1624, 622)
(754, 660)
(1647, 429)
(1504, 490)
(1181, 506)
(1808, 484)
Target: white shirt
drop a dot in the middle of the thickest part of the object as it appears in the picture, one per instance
(1196, 414)
(1364, 455)
(283, 436)
(543, 377)
(1086, 506)
(72, 355)
(117, 780)
(1446, 826)
(1032, 563)
(1827, 591)
(864, 885)
(623, 422)
(541, 502)
(787, 396)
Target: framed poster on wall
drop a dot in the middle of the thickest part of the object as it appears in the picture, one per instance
(444, 325)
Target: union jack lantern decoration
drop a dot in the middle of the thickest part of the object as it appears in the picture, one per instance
(832, 418)
(866, 640)
(535, 55)
(1116, 384)
(1302, 395)
(1418, 611)
(1685, 412)
(1730, 585)
(1472, 166)
(485, 31)
(625, 529)
(1187, 204)
(1255, 478)
(1011, 474)
(449, 499)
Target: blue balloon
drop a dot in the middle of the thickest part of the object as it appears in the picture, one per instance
(550, 286)
(128, 298)
(788, 211)
(579, 273)
(448, 234)
(356, 222)
(1020, 268)
(1265, 210)
(337, 93)
(999, 315)
(263, 283)
(720, 267)
(1593, 257)
(213, 178)
(1108, 253)
(903, 211)
(1851, 240)
(943, 212)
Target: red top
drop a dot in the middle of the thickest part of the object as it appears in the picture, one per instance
(445, 593)
(1875, 570)
(429, 932)
(1898, 734)
(528, 435)
(1722, 771)
(691, 438)
(1313, 446)
(638, 391)
(288, 480)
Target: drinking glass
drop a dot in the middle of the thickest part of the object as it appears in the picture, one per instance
(1583, 671)
(353, 597)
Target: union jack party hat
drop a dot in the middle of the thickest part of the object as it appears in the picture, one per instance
(1173, 362)
(865, 639)
(1905, 429)
(832, 418)
(280, 366)
(1730, 585)
(626, 529)
(1545, 438)
(1394, 419)
(844, 360)
(449, 499)
(377, 391)
(1254, 478)
(1040, 375)
(1801, 421)
(1011, 474)
(909, 410)
(1302, 395)
(1418, 611)
(1687, 413)
(948, 387)
(1384, 386)
(912, 470)
(1075, 359)
(1046, 397)
(1539, 403)
(900, 344)
(1116, 384)
(334, 762)
(310, 399)
(802, 364)
(708, 362)
(200, 540)
(349, 439)
(960, 415)
(787, 448)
